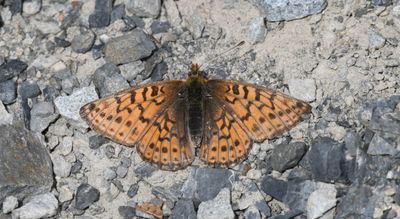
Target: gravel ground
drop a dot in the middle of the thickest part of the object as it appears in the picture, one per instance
(342, 57)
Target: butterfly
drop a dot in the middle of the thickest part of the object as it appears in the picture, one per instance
(170, 122)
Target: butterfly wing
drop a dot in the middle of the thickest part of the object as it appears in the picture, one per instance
(143, 116)
(248, 112)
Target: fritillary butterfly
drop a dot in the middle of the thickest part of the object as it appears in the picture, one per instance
(171, 121)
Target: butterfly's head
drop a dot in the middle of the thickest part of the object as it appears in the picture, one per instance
(195, 74)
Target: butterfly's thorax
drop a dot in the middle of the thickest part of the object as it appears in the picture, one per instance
(195, 104)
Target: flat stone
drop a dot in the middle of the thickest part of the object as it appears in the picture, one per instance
(376, 40)
(39, 206)
(15, 6)
(96, 141)
(62, 168)
(129, 47)
(127, 212)
(9, 204)
(118, 12)
(274, 187)
(8, 91)
(23, 153)
(217, 208)
(29, 89)
(379, 146)
(11, 69)
(42, 114)
(5, 117)
(252, 213)
(321, 200)
(286, 10)
(69, 106)
(303, 89)
(31, 7)
(85, 196)
(65, 194)
(108, 80)
(257, 30)
(286, 156)
(101, 15)
(173, 13)
(144, 8)
(159, 26)
(83, 40)
(183, 209)
(210, 181)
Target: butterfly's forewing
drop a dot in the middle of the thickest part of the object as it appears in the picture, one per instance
(142, 116)
(257, 111)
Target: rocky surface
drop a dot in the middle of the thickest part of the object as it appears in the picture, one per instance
(342, 57)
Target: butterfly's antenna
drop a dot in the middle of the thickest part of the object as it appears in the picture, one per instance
(222, 53)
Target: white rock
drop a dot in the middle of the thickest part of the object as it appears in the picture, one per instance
(9, 204)
(257, 30)
(65, 194)
(61, 167)
(172, 13)
(376, 40)
(66, 146)
(31, 7)
(5, 117)
(40, 206)
(217, 208)
(321, 200)
(69, 106)
(302, 89)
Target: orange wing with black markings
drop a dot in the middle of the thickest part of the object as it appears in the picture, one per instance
(240, 113)
(145, 116)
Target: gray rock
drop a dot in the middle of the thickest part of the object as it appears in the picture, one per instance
(11, 69)
(144, 8)
(8, 91)
(5, 117)
(257, 30)
(108, 80)
(132, 191)
(352, 142)
(65, 194)
(83, 40)
(101, 15)
(145, 170)
(9, 204)
(195, 25)
(61, 42)
(303, 89)
(15, 6)
(62, 168)
(122, 171)
(109, 151)
(159, 71)
(23, 153)
(169, 194)
(159, 26)
(66, 146)
(76, 167)
(173, 13)
(327, 161)
(321, 200)
(275, 188)
(69, 106)
(85, 196)
(252, 213)
(96, 141)
(109, 174)
(376, 40)
(39, 206)
(382, 2)
(286, 10)
(184, 209)
(359, 202)
(118, 12)
(210, 181)
(29, 89)
(42, 114)
(251, 197)
(129, 47)
(127, 212)
(217, 208)
(31, 7)
(60, 128)
(286, 156)
(379, 146)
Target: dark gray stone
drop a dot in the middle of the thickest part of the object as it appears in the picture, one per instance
(144, 8)
(23, 153)
(379, 146)
(129, 47)
(373, 170)
(97, 51)
(15, 6)
(210, 181)
(286, 156)
(8, 91)
(108, 80)
(327, 162)
(29, 89)
(145, 170)
(61, 42)
(159, 71)
(83, 40)
(109, 151)
(274, 187)
(76, 167)
(382, 2)
(96, 141)
(286, 10)
(133, 21)
(126, 162)
(11, 69)
(352, 142)
(127, 212)
(288, 215)
(184, 209)
(118, 12)
(85, 196)
(132, 191)
(101, 14)
(159, 26)
(359, 202)
(168, 194)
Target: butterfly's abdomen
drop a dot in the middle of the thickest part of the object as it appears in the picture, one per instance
(195, 109)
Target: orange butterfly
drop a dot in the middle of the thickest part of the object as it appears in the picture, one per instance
(171, 121)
